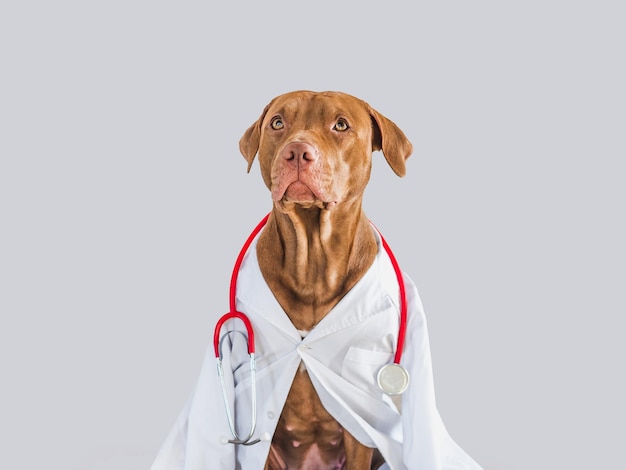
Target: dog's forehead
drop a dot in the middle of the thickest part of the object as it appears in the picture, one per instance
(318, 105)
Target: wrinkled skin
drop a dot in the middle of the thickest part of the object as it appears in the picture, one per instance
(315, 152)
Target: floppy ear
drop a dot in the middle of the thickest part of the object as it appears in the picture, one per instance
(249, 142)
(391, 140)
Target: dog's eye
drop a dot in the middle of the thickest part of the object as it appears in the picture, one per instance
(277, 123)
(341, 125)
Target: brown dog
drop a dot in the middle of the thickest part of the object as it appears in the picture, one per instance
(315, 153)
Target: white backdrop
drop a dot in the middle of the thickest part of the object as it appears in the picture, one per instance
(124, 201)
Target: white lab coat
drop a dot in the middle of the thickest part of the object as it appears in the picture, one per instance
(342, 354)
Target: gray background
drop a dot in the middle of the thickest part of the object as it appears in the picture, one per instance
(124, 201)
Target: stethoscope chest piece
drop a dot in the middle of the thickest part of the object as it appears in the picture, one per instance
(393, 379)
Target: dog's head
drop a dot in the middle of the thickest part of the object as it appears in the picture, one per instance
(315, 148)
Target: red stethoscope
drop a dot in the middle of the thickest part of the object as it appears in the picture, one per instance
(392, 379)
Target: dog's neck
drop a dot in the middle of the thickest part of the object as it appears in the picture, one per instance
(311, 257)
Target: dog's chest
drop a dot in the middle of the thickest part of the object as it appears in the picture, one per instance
(306, 433)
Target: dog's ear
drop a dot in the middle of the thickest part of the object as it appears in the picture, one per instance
(391, 140)
(249, 142)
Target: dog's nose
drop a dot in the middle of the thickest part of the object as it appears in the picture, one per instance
(299, 154)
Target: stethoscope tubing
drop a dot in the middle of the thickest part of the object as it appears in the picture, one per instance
(403, 302)
(234, 314)
(242, 254)
(217, 343)
(233, 295)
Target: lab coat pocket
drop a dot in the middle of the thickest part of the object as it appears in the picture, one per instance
(360, 367)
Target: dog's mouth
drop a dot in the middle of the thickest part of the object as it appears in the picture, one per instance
(301, 194)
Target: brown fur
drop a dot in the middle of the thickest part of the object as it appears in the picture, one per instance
(318, 242)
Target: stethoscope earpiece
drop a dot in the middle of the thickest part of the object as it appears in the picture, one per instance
(217, 343)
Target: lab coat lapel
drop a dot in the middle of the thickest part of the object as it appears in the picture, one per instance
(255, 294)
